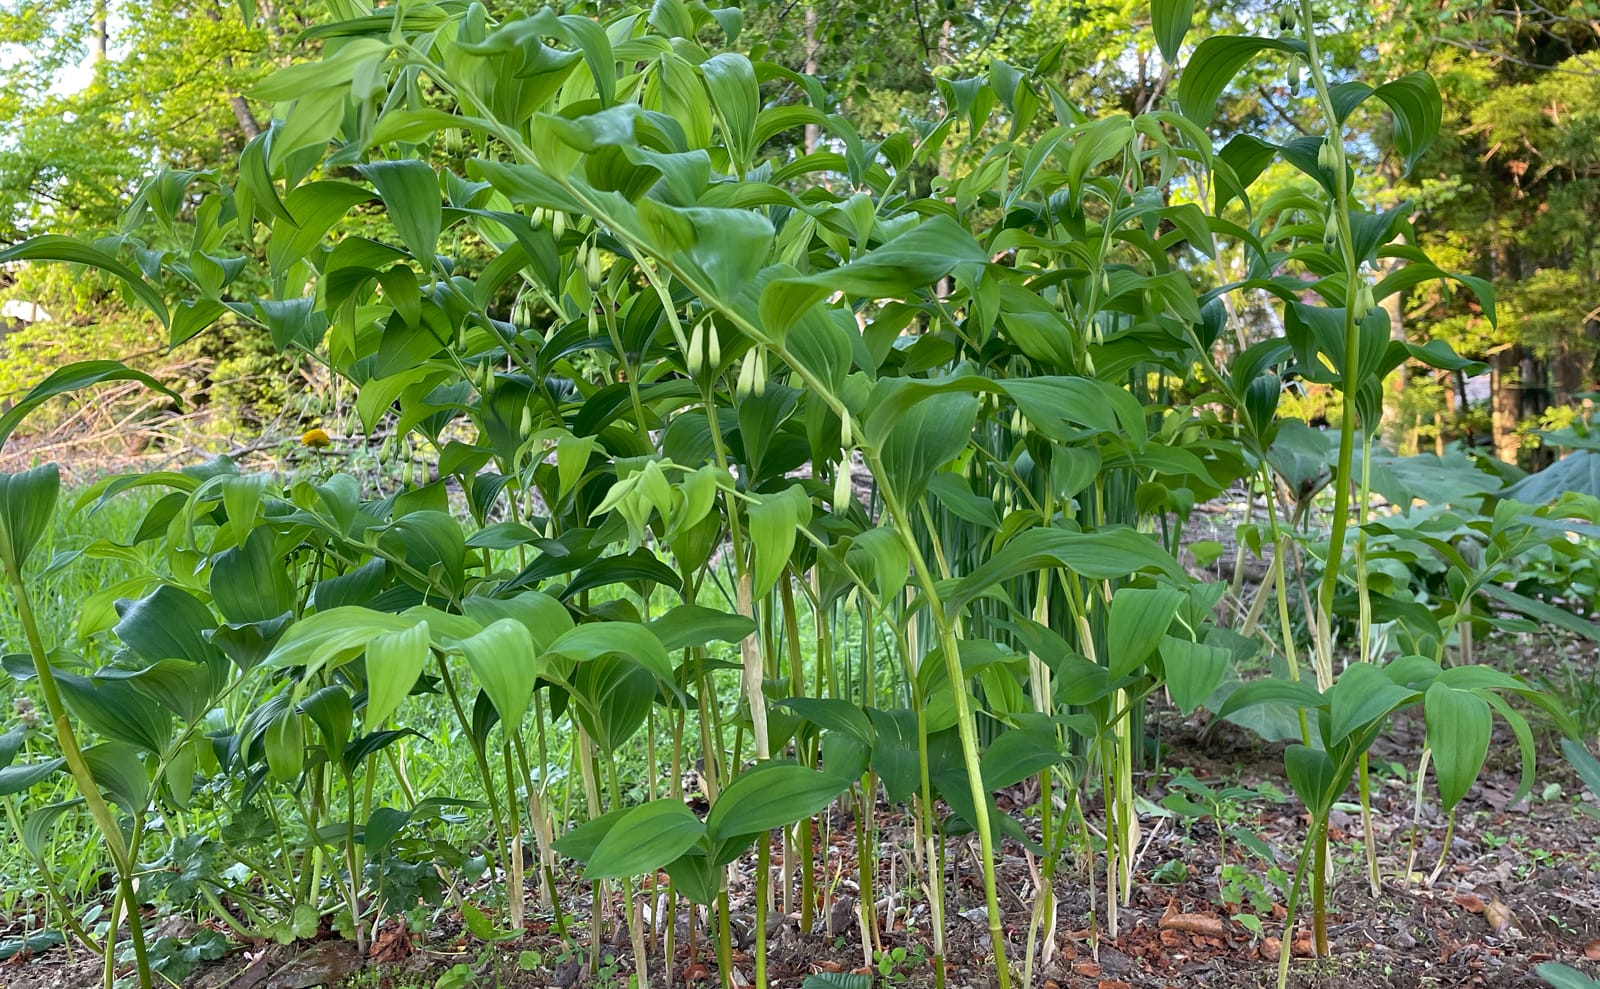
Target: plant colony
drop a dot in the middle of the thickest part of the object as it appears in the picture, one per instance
(638, 340)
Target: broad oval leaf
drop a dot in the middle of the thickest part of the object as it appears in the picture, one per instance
(644, 839)
(770, 796)
(503, 659)
(394, 662)
(27, 503)
(1458, 728)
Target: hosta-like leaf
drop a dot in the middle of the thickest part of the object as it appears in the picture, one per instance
(1193, 670)
(1139, 619)
(694, 625)
(770, 796)
(1364, 693)
(634, 642)
(394, 661)
(507, 667)
(774, 522)
(284, 744)
(1018, 754)
(37, 826)
(1458, 728)
(409, 189)
(1105, 554)
(117, 710)
(22, 776)
(644, 839)
(329, 639)
(118, 770)
(27, 502)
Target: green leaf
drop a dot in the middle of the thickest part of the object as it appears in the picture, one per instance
(382, 825)
(1018, 754)
(503, 659)
(772, 795)
(580, 843)
(1139, 620)
(1170, 19)
(1583, 763)
(1313, 776)
(909, 261)
(37, 826)
(732, 81)
(1364, 693)
(1414, 99)
(834, 714)
(644, 839)
(1193, 670)
(1549, 614)
(952, 491)
(895, 755)
(1295, 693)
(1215, 62)
(482, 928)
(11, 744)
(394, 662)
(1458, 728)
(775, 520)
(922, 438)
(180, 686)
(252, 583)
(409, 189)
(53, 247)
(330, 710)
(635, 642)
(619, 695)
(1105, 554)
(284, 744)
(23, 776)
(329, 639)
(116, 709)
(694, 625)
(117, 769)
(27, 503)
(73, 377)
(545, 618)
(1564, 976)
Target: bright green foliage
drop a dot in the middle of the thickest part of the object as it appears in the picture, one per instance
(642, 328)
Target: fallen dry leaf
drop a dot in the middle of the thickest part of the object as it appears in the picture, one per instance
(1271, 947)
(1087, 969)
(393, 944)
(1498, 915)
(1470, 902)
(1591, 950)
(1190, 923)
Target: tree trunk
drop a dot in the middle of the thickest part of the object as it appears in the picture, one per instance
(99, 34)
(1394, 305)
(1505, 401)
(813, 132)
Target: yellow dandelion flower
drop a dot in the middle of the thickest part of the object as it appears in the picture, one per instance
(316, 439)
